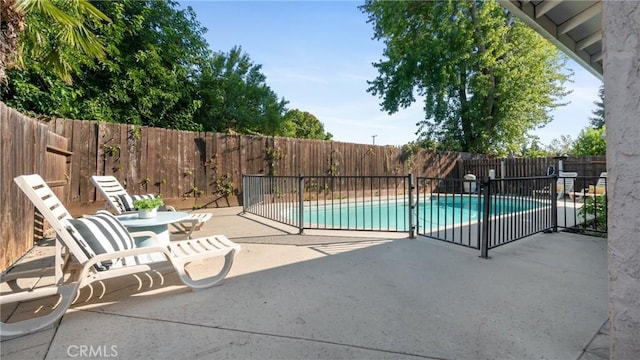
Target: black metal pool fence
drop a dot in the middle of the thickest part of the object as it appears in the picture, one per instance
(480, 214)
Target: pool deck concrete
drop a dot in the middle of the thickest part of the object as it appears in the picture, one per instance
(320, 296)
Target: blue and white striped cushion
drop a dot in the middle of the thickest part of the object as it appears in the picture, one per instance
(126, 200)
(99, 234)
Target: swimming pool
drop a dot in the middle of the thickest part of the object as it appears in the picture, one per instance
(393, 215)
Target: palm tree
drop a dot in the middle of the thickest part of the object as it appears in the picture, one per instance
(44, 29)
(11, 24)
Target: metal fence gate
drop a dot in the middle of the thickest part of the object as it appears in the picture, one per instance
(361, 203)
(485, 214)
(477, 214)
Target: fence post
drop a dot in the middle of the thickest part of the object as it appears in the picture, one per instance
(244, 193)
(300, 204)
(554, 202)
(484, 241)
(412, 208)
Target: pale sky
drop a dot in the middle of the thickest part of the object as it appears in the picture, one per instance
(318, 56)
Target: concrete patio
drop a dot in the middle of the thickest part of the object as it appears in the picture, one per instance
(321, 296)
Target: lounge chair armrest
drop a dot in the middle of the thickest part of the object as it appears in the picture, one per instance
(139, 234)
(124, 253)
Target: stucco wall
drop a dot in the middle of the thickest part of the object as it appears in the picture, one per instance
(622, 114)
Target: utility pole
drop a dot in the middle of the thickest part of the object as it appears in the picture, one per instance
(374, 139)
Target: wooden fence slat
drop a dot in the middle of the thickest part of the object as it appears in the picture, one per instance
(200, 160)
(166, 160)
(122, 164)
(235, 162)
(214, 167)
(24, 144)
(105, 151)
(161, 156)
(178, 185)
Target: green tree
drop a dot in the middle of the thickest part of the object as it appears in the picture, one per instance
(486, 78)
(304, 125)
(52, 33)
(148, 76)
(534, 148)
(11, 24)
(590, 141)
(155, 51)
(597, 120)
(157, 71)
(562, 146)
(235, 96)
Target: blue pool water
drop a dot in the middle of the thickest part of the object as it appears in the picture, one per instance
(392, 215)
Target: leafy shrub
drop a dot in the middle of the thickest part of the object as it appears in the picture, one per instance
(597, 208)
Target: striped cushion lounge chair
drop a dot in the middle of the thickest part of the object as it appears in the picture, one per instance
(104, 249)
(120, 202)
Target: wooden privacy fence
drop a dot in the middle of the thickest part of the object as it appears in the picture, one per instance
(201, 169)
(585, 166)
(27, 147)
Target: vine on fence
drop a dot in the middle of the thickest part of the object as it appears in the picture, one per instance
(112, 151)
(272, 154)
(333, 167)
(387, 163)
(224, 185)
(408, 154)
(135, 134)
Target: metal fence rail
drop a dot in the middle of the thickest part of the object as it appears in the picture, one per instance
(515, 208)
(586, 207)
(449, 210)
(272, 197)
(477, 214)
(486, 214)
(363, 203)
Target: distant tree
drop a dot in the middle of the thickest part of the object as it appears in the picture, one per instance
(234, 96)
(562, 146)
(304, 125)
(534, 148)
(590, 142)
(486, 77)
(597, 120)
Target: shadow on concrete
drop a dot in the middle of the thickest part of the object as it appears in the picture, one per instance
(541, 297)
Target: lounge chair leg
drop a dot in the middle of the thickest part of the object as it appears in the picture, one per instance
(67, 295)
(191, 229)
(209, 281)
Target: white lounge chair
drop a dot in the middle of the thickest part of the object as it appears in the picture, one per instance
(104, 249)
(600, 189)
(564, 185)
(120, 201)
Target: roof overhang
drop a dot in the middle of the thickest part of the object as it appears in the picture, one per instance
(574, 26)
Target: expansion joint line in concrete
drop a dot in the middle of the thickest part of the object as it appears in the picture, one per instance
(271, 335)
